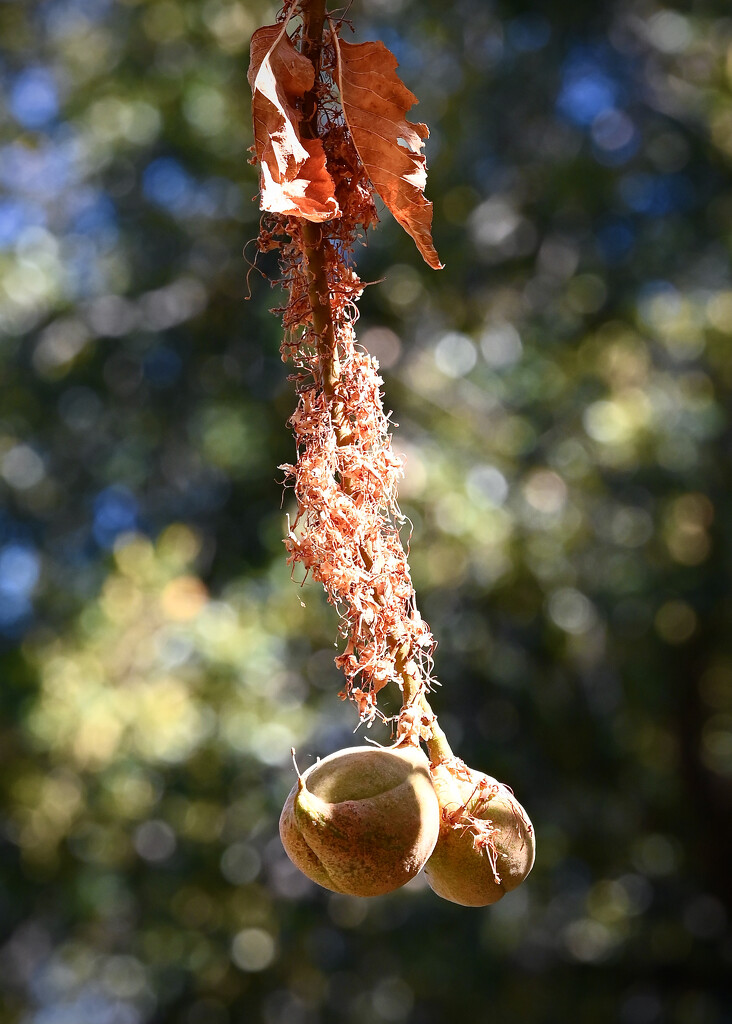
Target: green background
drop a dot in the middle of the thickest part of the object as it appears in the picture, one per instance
(562, 392)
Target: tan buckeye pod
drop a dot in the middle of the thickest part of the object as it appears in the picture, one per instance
(362, 821)
(486, 843)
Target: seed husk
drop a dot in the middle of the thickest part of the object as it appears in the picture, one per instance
(486, 843)
(362, 821)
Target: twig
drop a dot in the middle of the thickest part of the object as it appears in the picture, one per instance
(317, 249)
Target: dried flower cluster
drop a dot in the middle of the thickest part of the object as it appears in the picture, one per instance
(347, 531)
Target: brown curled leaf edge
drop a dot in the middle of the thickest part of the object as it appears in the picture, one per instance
(375, 101)
(294, 177)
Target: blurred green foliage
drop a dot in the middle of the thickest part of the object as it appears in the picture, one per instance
(563, 392)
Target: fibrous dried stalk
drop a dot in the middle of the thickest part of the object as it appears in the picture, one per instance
(347, 531)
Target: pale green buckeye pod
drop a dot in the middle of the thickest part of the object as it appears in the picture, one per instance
(486, 843)
(362, 821)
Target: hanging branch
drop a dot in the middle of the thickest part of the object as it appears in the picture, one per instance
(321, 163)
(347, 529)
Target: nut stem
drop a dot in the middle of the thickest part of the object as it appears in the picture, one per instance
(316, 245)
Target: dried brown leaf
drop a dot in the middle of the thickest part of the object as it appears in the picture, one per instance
(375, 101)
(294, 179)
